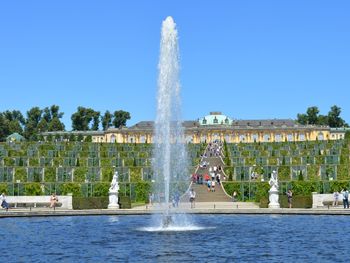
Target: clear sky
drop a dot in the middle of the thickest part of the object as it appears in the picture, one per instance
(248, 59)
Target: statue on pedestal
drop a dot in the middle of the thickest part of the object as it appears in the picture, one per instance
(273, 193)
(113, 192)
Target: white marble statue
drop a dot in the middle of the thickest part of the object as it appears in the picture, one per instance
(273, 182)
(114, 184)
(273, 193)
(113, 193)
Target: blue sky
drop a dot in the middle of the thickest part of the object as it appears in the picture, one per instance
(248, 59)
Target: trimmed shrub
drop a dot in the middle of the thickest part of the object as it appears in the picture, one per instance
(124, 202)
(297, 202)
(80, 203)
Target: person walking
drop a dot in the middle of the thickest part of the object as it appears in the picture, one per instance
(345, 193)
(289, 196)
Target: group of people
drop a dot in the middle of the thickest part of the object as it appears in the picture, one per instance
(4, 204)
(345, 195)
(214, 149)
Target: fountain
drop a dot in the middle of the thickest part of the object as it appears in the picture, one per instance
(170, 156)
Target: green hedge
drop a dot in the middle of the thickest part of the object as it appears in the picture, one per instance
(80, 203)
(297, 201)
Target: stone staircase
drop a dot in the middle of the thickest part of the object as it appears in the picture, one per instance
(202, 194)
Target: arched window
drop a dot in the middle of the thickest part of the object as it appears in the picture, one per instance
(204, 121)
(215, 121)
(112, 138)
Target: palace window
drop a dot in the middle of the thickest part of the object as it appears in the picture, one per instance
(266, 137)
(242, 138)
(113, 138)
(320, 136)
(204, 121)
(215, 120)
(278, 137)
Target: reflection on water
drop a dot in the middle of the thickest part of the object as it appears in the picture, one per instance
(208, 238)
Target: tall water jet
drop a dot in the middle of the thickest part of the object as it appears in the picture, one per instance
(170, 157)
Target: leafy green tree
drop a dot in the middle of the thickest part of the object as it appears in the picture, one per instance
(334, 119)
(82, 119)
(120, 118)
(312, 114)
(32, 121)
(106, 120)
(56, 125)
(96, 120)
(302, 119)
(52, 117)
(12, 121)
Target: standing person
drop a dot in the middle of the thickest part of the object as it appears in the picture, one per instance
(335, 198)
(209, 185)
(289, 196)
(193, 198)
(345, 193)
(3, 202)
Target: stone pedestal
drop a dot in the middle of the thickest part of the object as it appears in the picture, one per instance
(273, 198)
(113, 200)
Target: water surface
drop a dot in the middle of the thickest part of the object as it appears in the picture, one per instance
(215, 238)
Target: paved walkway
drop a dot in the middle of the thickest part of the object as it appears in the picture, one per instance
(201, 208)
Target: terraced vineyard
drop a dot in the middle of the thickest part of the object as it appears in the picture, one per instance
(82, 168)
(303, 160)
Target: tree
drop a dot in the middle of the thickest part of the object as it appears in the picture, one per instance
(81, 120)
(32, 121)
(334, 119)
(120, 118)
(106, 120)
(56, 125)
(96, 120)
(312, 114)
(4, 129)
(302, 119)
(14, 121)
(52, 117)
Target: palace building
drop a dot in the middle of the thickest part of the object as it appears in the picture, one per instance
(217, 126)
